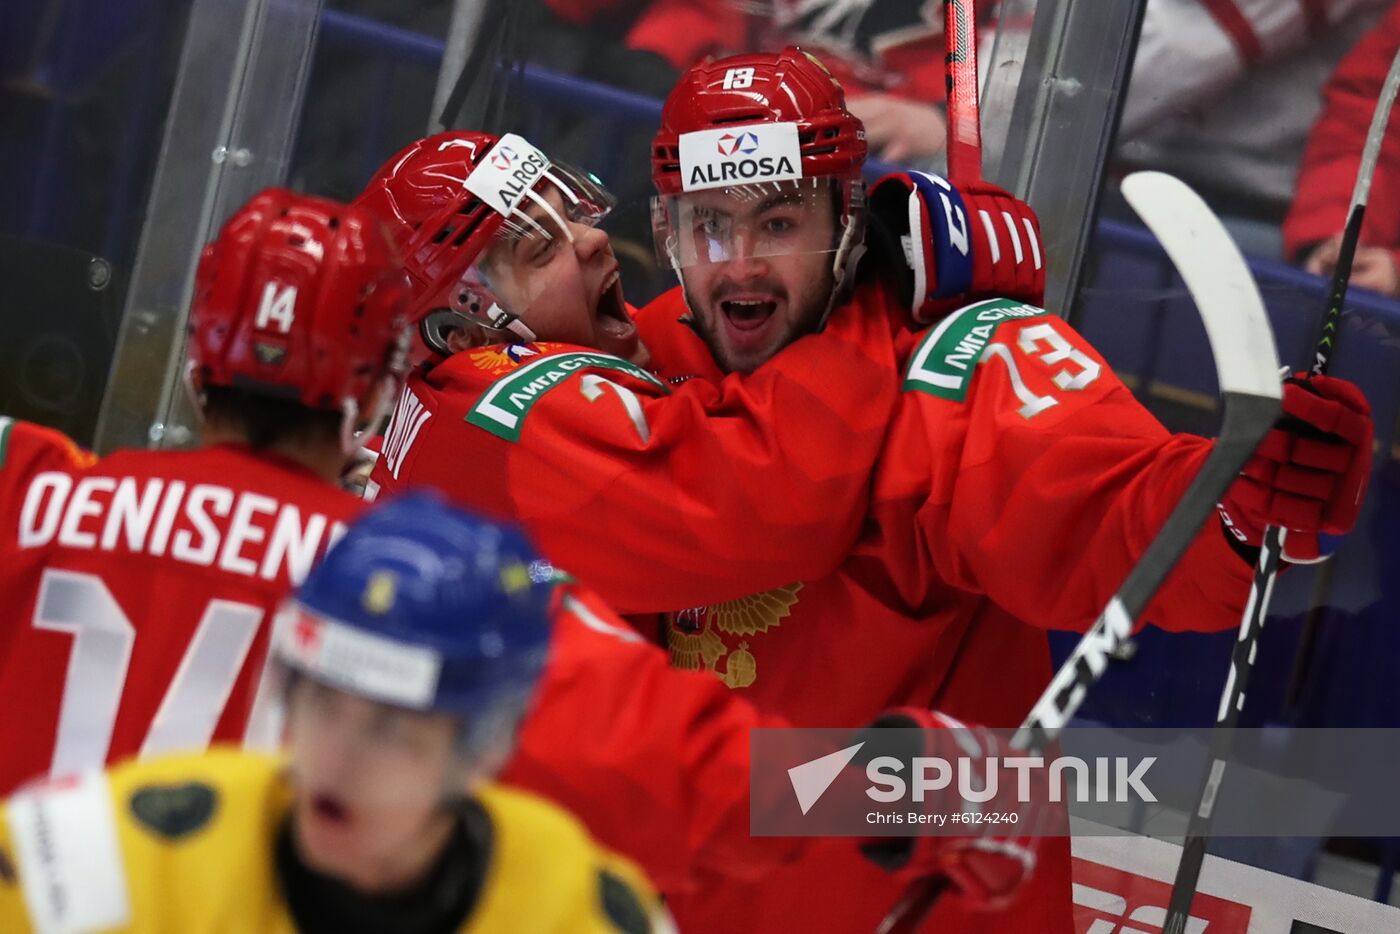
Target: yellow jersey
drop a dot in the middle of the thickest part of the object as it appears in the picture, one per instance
(186, 845)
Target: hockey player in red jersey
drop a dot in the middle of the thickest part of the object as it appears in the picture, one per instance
(575, 454)
(1018, 475)
(138, 586)
(921, 637)
(534, 403)
(503, 272)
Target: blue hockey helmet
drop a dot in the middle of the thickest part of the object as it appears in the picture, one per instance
(424, 606)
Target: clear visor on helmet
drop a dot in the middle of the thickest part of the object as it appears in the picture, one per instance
(520, 262)
(756, 221)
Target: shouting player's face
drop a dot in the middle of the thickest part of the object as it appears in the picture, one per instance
(756, 265)
(370, 783)
(564, 283)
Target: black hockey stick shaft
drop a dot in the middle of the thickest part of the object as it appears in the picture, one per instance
(1247, 365)
(1193, 851)
(1356, 214)
(1247, 419)
(1341, 280)
(964, 167)
(916, 902)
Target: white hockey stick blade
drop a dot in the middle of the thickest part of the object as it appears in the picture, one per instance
(1232, 699)
(1247, 365)
(1216, 276)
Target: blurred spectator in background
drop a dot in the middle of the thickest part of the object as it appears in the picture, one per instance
(1312, 232)
(887, 53)
(1224, 92)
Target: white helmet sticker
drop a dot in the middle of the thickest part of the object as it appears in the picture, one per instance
(740, 155)
(357, 662)
(507, 174)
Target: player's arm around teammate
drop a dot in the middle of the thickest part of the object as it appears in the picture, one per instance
(703, 489)
(699, 488)
(1014, 447)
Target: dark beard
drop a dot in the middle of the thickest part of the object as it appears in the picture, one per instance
(814, 308)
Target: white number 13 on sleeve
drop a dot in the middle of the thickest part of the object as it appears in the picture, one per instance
(1060, 350)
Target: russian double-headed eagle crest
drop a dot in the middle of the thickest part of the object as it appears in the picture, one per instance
(697, 636)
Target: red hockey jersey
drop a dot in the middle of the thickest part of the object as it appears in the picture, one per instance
(1019, 475)
(1333, 156)
(688, 492)
(980, 469)
(139, 589)
(653, 760)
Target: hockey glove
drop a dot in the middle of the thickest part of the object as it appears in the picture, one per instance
(987, 869)
(959, 244)
(1309, 476)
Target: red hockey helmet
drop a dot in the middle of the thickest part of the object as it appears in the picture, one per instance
(449, 198)
(741, 131)
(300, 298)
(792, 86)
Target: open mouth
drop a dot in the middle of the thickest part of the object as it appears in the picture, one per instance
(748, 314)
(330, 808)
(613, 319)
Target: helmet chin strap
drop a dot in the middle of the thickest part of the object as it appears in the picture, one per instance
(520, 329)
(848, 251)
(848, 254)
(501, 321)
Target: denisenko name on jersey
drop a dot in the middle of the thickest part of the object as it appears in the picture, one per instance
(204, 524)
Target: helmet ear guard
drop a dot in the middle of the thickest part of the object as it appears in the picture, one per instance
(471, 305)
(474, 303)
(437, 326)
